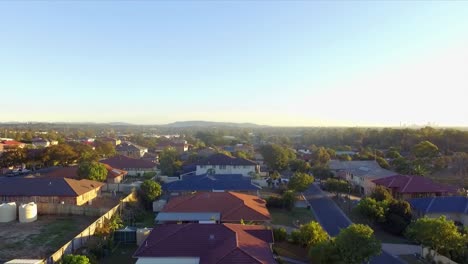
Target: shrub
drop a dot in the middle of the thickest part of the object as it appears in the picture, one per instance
(280, 234)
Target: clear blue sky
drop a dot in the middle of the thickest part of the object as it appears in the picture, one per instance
(278, 63)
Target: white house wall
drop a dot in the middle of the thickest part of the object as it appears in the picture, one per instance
(244, 170)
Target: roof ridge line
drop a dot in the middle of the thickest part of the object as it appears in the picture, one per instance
(430, 204)
(404, 188)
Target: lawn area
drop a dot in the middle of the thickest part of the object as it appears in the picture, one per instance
(381, 234)
(286, 249)
(147, 220)
(121, 255)
(41, 238)
(289, 218)
(266, 192)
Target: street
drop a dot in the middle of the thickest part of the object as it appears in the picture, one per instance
(332, 219)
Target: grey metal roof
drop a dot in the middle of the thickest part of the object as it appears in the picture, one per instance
(367, 168)
(213, 216)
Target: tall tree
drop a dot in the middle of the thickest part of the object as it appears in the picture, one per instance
(92, 171)
(150, 190)
(357, 244)
(61, 154)
(439, 234)
(276, 156)
(13, 157)
(381, 193)
(320, 157)
(105, 148)
(311, 234)
(300, 181)
(397, 216)
(168, 162)
(425, 149)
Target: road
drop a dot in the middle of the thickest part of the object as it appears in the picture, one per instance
(332, 219)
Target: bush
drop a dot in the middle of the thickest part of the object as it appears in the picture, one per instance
(280, 234)
(296, 237)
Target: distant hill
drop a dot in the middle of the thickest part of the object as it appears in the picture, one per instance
(211, 124)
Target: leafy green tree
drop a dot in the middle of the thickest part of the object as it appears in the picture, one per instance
(371, 209)
(420, 169)
(150, 190)
(276, 157)
(61, 154)
(402, 165)
(92, 171)
(381, 193)
(300, 181)
(439, 234)
(288, 199)
(321, 172)
(75, 259)
(299, 166)
(393, 154)
(168, 162)
(337, 186)
(397, 216)
(104, 148)
(345, 157)
(13, 157)
(311, 234)
(275, 175)
(357, 244)
(325, 252)
(280, 234)
(320, 157)
(425, 149)
(382, 163)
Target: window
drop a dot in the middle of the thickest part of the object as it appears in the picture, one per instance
(222, 167)
(202, 166)
(245, 167)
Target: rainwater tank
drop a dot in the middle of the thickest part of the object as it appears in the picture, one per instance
(142, 234)
(28, 213)
(7, 212)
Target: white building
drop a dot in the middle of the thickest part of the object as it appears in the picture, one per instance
(223, 164)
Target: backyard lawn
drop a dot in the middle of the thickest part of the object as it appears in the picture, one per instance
(286, 249)
(290, 218)
(121, 255)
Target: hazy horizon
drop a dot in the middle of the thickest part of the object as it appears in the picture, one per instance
(314, 63)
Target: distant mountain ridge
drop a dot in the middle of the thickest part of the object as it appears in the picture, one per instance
(210, 124)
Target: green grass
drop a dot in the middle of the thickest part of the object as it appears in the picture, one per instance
(147, 220)
(55, 233)
(286, 249)
(289, 218)
(121, 255)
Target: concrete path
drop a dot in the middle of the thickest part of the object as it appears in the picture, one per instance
(332, 219)
(401, 249)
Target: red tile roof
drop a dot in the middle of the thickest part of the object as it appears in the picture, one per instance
(231, 205)
(212, 243)
(413, 184)
(12, 143)
(125, 163)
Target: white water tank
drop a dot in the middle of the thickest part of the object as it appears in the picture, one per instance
(28, 213)
(142, 234)
(7, 212)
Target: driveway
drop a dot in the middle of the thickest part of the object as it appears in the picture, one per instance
(332, 219)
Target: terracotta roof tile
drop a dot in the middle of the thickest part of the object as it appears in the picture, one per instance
(125, 163)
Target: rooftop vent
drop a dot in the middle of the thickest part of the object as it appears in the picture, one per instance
(212, 237)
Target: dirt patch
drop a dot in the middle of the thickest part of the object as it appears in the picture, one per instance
(39, 239)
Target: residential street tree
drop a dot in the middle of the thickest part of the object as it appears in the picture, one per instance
(439, 234)
(381, 193)
(325, 252)
(300, 181)
(13, 157)
(277, 157)
(168, 161)
(150, 190)
(397, 216)
(61, 154)
(299, 166)
(105, 149)
(357, 244)
(425, 149)
(92, 171)
(320, 157)
(310, 234)
(337, 186)
(372, 209)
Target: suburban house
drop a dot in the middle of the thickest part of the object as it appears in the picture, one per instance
(454, 208)
(134, 167)
(42, 143)
(9, 144)
(179, 145)
(224, 164)
(206, 152)
(412, 186)
(49, 190)
(207, 244)
(360, 173)
(211, 183)
(131, 150)
(228, 207)
(113, 141)
(153, 157)
(239, 148)
(113, 175)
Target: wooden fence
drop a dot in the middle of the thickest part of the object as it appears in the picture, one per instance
(83, 237)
